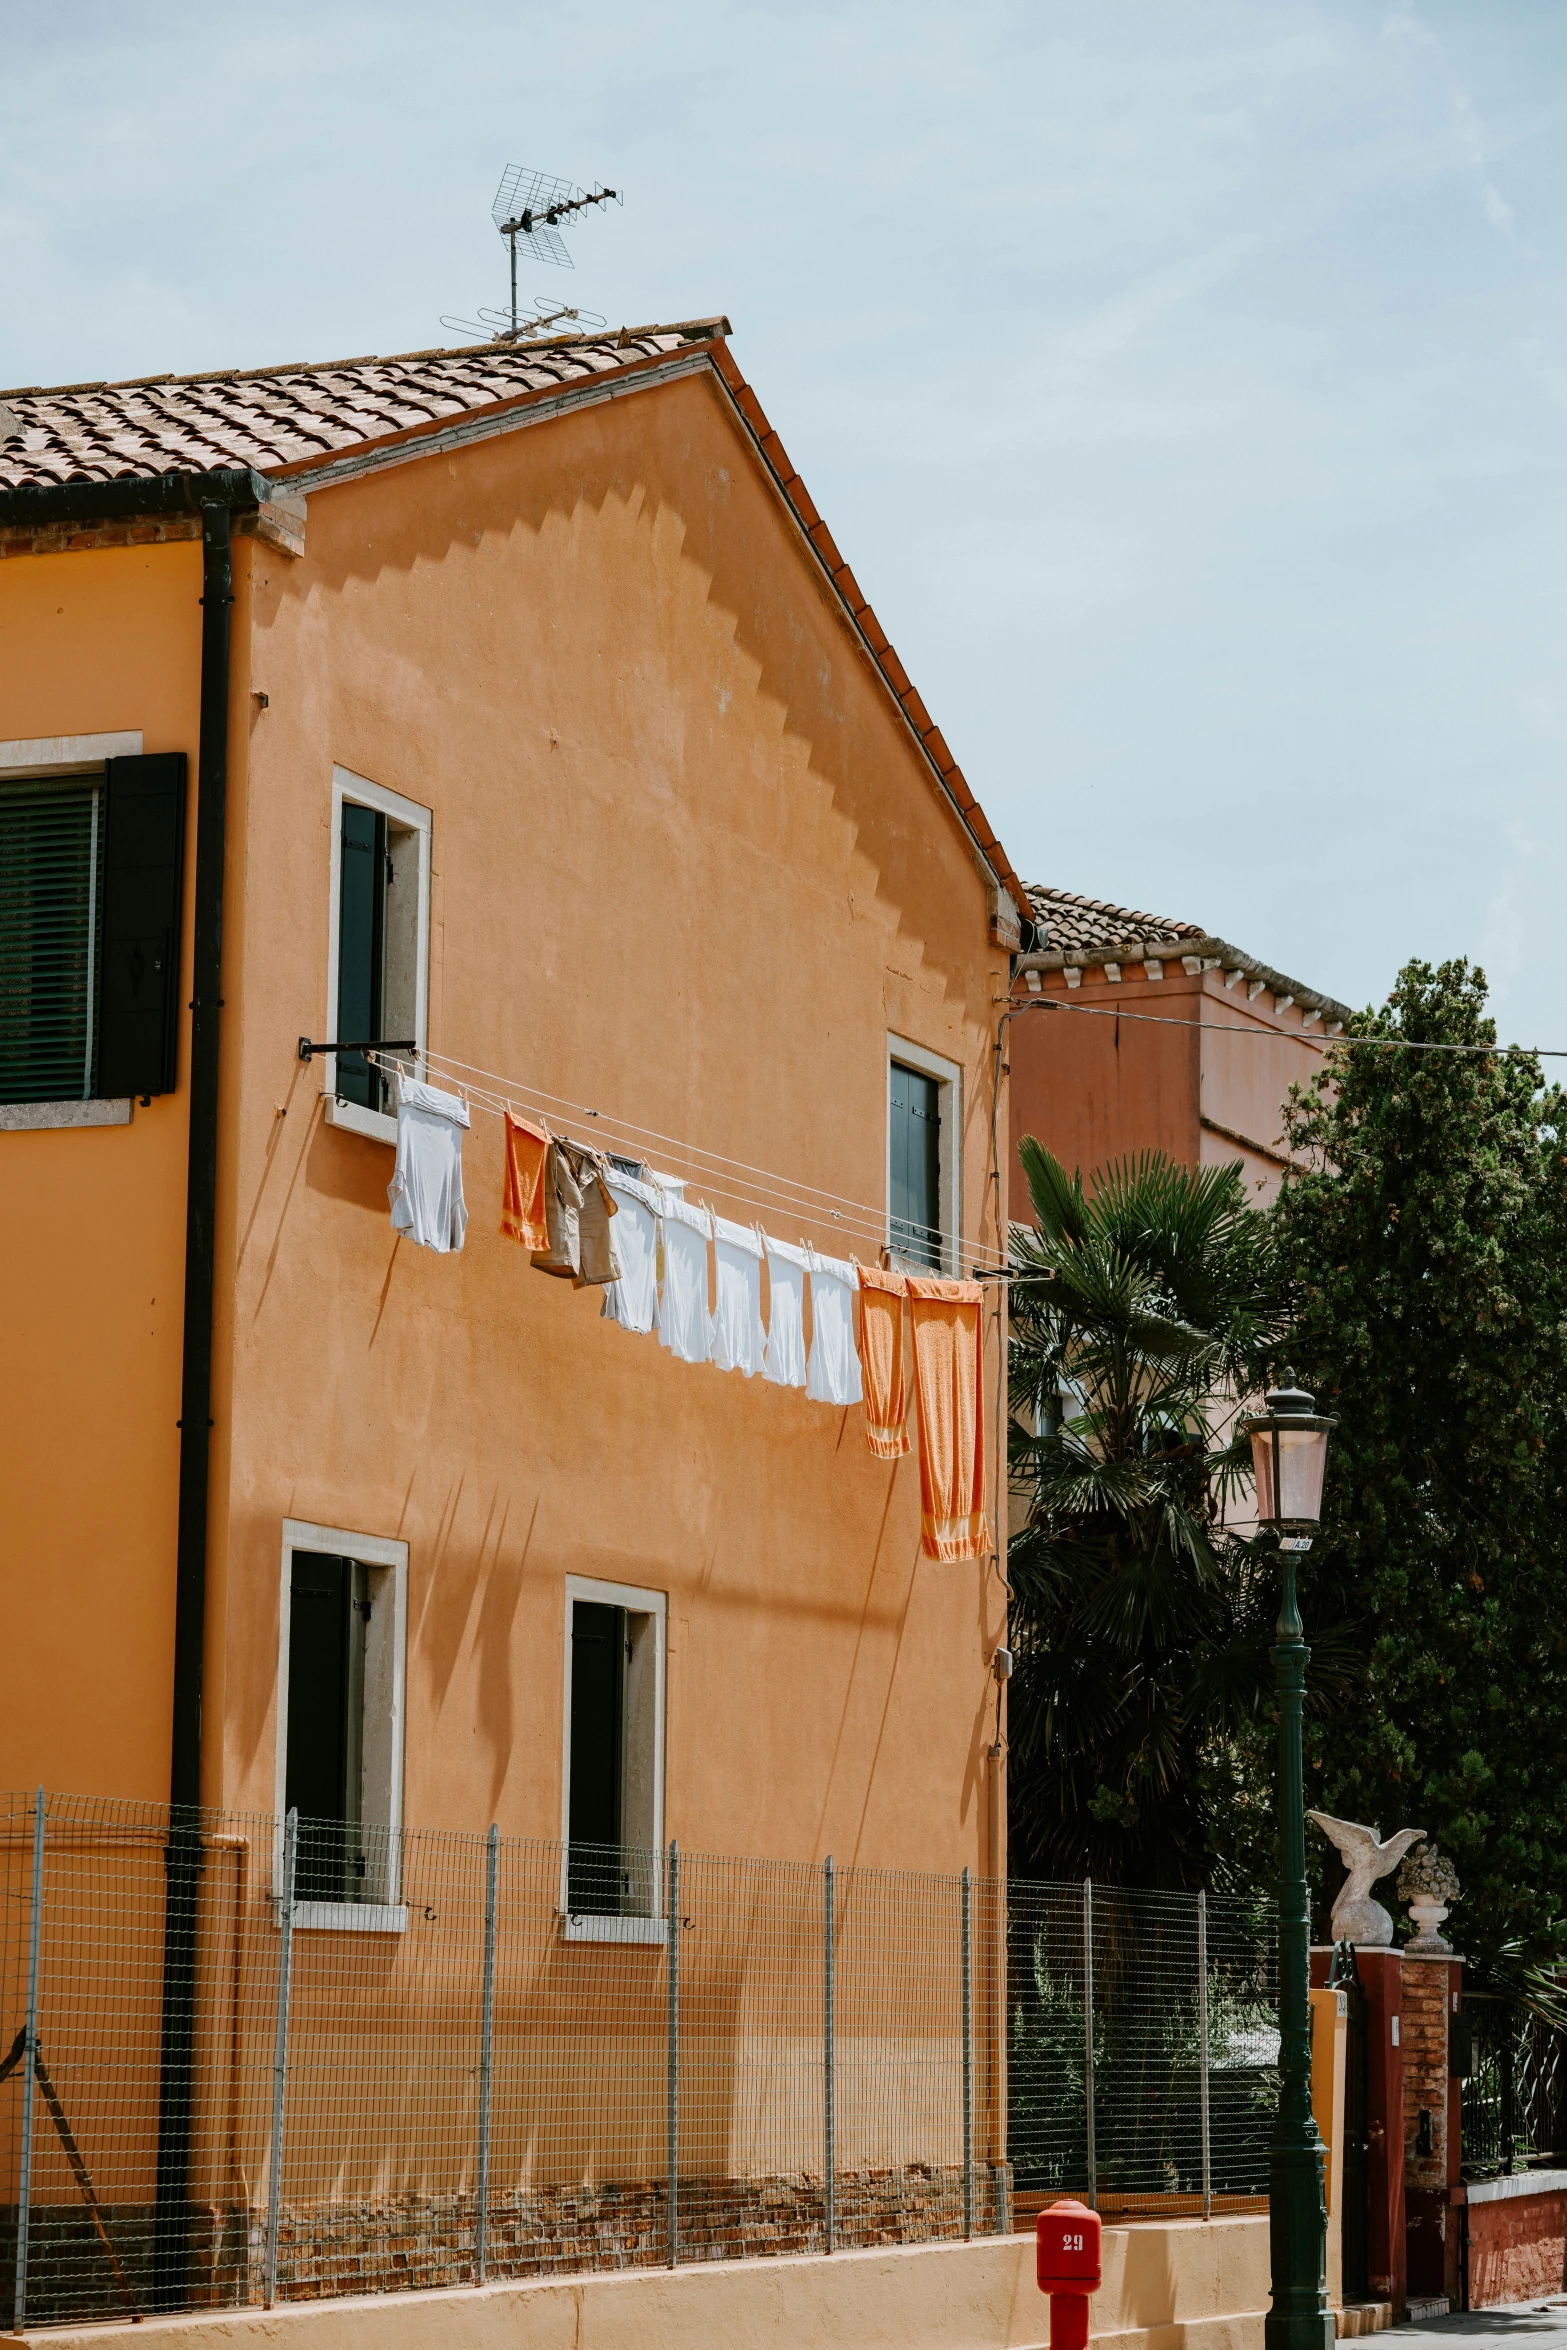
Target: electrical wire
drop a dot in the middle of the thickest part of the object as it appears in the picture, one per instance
(1402, 1044)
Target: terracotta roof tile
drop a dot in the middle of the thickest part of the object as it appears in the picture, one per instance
(280, 416)
(1070, 922)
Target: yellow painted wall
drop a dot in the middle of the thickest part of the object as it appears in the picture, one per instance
(688, 866)
(95, 643)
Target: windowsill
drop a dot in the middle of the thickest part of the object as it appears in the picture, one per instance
(29, 1117)
(602, 1926)
(379, 1125)
(349, 1917)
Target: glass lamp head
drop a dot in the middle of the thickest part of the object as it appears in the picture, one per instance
(1289, 1452)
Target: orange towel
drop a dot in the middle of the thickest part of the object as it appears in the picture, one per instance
(945, 1315)
(522, 1209)
(881, 1361)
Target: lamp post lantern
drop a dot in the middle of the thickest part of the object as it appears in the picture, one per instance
(1289, 1443)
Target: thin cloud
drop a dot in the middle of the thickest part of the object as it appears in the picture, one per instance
(1468, 129)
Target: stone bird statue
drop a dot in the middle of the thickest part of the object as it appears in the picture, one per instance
(1356, 1917)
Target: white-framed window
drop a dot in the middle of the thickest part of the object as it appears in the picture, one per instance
(340, 1715)
(924, 1158)
(378, 957)
(612, 1766)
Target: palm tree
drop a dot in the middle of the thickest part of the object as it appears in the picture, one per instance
(1140, 1314)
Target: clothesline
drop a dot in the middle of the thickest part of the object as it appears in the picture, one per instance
(564, 1201)
(768, 1193)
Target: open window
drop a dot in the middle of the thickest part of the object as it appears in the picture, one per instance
(924, 1136)
(614, 1762)
(378, 962)
(340, 1717)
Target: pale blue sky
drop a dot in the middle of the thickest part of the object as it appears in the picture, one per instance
(1187, 384)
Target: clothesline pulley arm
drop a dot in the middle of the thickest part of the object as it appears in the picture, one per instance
(371, 1044)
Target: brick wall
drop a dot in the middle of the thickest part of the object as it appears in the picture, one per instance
(1517, 2249)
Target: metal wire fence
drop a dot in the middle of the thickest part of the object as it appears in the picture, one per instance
(248, 2061)
(1515, 2091)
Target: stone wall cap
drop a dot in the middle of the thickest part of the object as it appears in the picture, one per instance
(1522, 2182)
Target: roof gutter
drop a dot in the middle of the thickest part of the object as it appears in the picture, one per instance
(216, 497)
(236, 487)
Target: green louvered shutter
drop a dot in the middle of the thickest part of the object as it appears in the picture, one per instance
(139, 967)
(914, 1169)
(51, 873)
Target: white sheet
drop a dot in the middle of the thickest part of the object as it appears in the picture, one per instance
(738, 1336)
(833, 1373)
(785, 1359)
(683, 1322)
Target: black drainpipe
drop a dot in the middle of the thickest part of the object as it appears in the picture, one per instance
(216, 497)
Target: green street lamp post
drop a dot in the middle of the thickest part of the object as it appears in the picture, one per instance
(1289, 1442)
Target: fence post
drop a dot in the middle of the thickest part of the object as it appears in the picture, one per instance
(829, 2115)
(24, 2199)
(285, 1962)
(1204, 2048)
(968, 2057)
(1088, 2037)
(486, 2051)
(672, 2115)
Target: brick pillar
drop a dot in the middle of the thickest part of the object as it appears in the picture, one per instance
(1425, 2123)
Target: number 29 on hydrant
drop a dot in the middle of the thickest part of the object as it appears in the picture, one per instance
(1068, 2269)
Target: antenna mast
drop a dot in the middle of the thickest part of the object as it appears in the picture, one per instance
(528, 205)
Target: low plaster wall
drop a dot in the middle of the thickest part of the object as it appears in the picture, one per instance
(1181, 2285)
(1517, 2238)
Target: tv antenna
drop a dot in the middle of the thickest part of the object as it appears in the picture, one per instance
(527, 209)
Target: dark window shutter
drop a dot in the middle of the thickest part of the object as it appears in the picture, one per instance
(914, 1172)
(317, 1765)
(143, 888)
(51, 836)
(361, 949)
(598, 1643)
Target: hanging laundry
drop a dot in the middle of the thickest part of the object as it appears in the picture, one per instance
(598, 1262)
(684, 1325)
(426, 1186)
(881, 1360)
(945, 1318)
(561, 1252)
(522, 1205)
(577, 1210)
(833, 1373)
(784, 1362)
(632, 1301)
(739, 1339)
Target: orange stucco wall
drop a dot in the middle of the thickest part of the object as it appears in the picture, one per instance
(1095, 1087)
(687, 867)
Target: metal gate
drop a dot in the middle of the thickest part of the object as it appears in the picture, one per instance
(1344, 1975)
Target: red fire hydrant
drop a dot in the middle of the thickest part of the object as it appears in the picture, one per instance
(1068, 2269)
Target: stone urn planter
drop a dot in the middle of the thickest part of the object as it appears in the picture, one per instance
(1428, 1882)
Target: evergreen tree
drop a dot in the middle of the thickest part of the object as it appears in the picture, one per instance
(1425, 1257)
